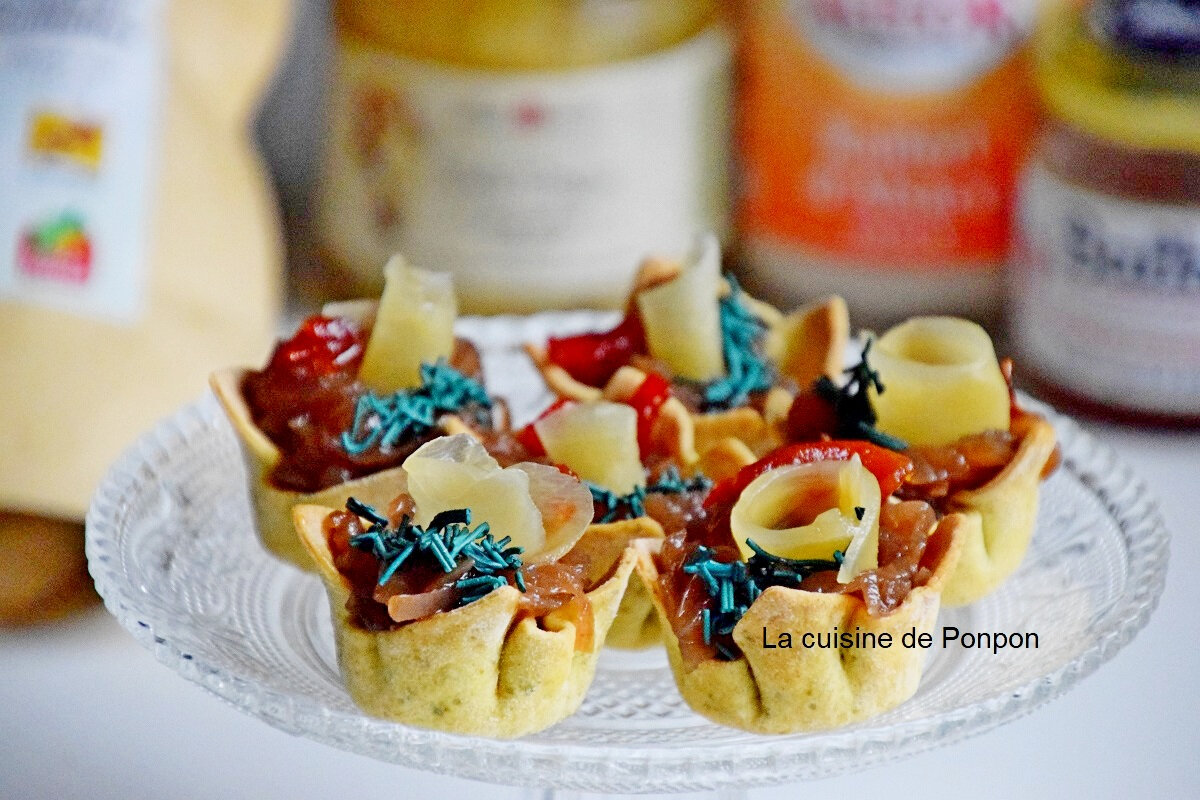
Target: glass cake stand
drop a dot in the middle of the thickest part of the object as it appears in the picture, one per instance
(173, 552)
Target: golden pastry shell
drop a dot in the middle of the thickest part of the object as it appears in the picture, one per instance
(472, 670)
(1002, 515)
(806, 689)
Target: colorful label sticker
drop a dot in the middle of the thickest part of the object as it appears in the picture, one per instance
(888, 133)
(911, 46)
(58, 249)
(80, 84)
(57, 136)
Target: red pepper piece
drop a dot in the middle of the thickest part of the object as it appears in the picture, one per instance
(321, 345)
(809, 417)
(592, 358)
(565, 470)
(889, 467)
(528, 436)
(647, 401)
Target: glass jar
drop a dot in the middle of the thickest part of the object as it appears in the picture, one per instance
(1105, 288)
(880, 144)
(535, 150)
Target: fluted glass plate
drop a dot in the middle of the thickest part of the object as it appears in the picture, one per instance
(172, 549)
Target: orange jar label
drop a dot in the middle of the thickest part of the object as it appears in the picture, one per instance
(887, 131)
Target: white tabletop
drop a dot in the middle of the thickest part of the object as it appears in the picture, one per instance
(86, 713)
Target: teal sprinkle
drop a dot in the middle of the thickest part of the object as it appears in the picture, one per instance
(747, 370)
(431, 541)
(383, 422)
(755, 591)
(476, 588)
(449, 541)
(633, 505)
(395, 563)
(363, 510)
(735, 585)
(471, 583)
(851, 403)
(460, 542)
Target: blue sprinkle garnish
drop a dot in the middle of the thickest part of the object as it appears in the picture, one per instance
(383, 422)
(747, 369)
(851, 403)
(448, 541)
(458, 516)
(363, 510)
(736, 585)
(633, 505)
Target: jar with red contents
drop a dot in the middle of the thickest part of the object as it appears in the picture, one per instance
(1105, 285)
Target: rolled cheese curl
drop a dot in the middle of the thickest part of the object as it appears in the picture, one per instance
(807, 511)
(941, 381)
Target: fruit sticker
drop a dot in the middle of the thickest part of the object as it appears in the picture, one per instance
(58, 248)
(62, 138)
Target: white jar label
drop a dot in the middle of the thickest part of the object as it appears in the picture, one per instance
(1106, 295)
(914, 45)
(80, 84)
(533, 187)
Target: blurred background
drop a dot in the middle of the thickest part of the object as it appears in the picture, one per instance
(183, 179)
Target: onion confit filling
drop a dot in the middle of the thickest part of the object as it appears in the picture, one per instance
(389, 590)
(907, 558)
(308, 400)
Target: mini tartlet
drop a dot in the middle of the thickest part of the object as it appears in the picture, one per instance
(342, 402)
(635, 626)
(736, 358)
(801, 689)
(947, 393)
(752, 359)
(271, 505)
(741, 680)
(485, 667)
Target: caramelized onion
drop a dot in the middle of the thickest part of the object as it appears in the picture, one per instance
(559, 589)
(303, 410)
(903, 537)
(968, 463)
(420, 590)
(409, 607)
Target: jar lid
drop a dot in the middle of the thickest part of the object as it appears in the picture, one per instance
(1156, 28)
(1138, 87)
